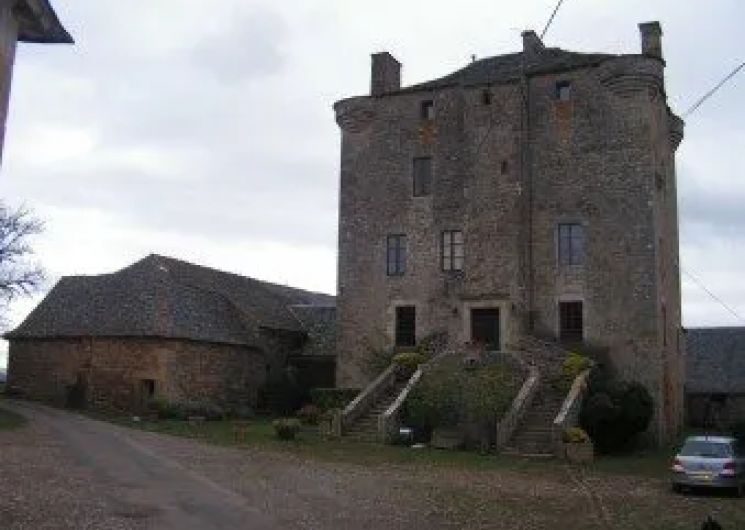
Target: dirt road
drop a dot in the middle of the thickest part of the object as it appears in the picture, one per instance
(64, 471)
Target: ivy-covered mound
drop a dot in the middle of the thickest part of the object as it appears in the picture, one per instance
(450, 395)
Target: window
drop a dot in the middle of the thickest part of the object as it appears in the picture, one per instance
(406, 326)
(396, 255)
(570, 321)
(486, 97)
(422, 176)
(452, 250)
(563, 91)
(571, 244)
(427, 110)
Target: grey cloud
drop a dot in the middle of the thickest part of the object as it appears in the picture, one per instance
(248, 49)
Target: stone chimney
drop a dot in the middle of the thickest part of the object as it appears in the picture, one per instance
(386, 74)
(532, 46)
(651, 39)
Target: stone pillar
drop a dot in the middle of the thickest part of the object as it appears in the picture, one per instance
(8, 40)
(651, 33)
(386, 74)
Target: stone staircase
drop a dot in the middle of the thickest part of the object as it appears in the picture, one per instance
(534, 433)
(365, 428)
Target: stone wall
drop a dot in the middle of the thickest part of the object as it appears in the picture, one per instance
(113, 370)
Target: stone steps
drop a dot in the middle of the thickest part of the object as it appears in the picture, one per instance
(365, 428)
(534, 435)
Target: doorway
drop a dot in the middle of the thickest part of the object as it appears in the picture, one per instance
(485, 327)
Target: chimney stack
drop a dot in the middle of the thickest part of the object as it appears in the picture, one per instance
(532, 46)
(386, 74)
(651, 33)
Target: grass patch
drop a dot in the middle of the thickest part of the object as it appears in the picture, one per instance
(310, 444)
(10, 420)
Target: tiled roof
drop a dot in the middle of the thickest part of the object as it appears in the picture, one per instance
(165, 297)
(715, 360)
(509, 68)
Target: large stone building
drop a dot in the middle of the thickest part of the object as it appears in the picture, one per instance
(164, 328)
(531, 193)
(25, 21)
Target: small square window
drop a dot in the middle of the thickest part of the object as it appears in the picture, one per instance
(427, 110)
(563, 91)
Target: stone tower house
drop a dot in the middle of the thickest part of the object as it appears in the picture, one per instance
(25, 21)
(532, 193)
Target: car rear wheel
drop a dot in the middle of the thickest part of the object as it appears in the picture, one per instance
(677, 488)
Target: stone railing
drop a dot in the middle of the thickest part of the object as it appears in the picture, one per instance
(368, 397)
(390, 421)
(507, 425)
(569, 413)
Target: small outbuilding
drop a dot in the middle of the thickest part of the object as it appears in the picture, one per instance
(715, 377)
(168, 329)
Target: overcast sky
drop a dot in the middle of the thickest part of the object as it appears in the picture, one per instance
(204, 130)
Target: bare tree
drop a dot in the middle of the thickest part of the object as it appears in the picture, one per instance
(18, 275)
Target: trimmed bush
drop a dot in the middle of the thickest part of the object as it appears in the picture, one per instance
(616, 414)
(572, 367)
(309, 414)
(575, 435)
(407, 363)
(332, 398)
(286, 428)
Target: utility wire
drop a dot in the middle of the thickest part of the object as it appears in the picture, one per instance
(715, 297)
(711, 92)
(550, 20)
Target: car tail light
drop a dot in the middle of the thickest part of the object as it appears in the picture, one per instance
(728, 469)
(678, 466)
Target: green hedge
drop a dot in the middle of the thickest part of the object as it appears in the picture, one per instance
(448, 394)
(332, 398)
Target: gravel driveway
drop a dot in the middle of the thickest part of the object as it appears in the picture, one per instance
(64, 471)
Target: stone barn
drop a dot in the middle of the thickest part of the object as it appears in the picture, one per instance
(715, 377)
(164, 328)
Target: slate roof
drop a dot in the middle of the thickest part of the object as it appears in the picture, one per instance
(715, 360)
(41, 25)
(320, 325)
(164, 297)
(509, 68)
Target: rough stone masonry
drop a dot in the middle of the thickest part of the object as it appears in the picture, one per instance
(531, 193)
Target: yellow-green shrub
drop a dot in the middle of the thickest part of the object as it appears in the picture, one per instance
(575, 435)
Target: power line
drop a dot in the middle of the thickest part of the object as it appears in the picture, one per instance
(711, 92)
(715, 297)
(550, 20)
